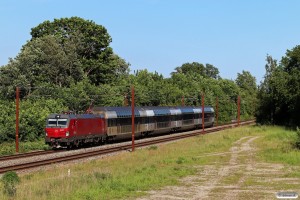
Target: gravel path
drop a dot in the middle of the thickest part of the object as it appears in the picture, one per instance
(240, 178)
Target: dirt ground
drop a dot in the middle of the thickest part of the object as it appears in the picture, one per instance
(240, 178)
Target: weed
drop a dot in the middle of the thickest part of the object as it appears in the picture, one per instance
(153, 167)
(286, 148)
(116, 185)
(226, 137)
(10, 181)
(166, 161)
(176, 168)
(180, 160)
(153, 147)
(8, 148)
(298, 138)
(28, 176)
(43, 192)
(278, 145)
(195, 158)
(102, 176)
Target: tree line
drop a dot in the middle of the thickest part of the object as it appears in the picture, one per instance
(279, 93)
(68, 65)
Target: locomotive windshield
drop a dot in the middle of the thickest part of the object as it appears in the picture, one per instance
(57, 122)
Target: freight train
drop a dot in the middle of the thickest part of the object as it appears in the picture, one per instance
(107, 123)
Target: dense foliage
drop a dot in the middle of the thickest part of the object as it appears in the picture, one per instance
(69, 65)
(279, 93)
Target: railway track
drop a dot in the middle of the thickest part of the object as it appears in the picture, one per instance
(29, 154)
(100, 152)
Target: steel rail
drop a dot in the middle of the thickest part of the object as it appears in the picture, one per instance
(29, 154)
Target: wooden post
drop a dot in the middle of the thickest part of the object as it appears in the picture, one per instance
(217, 110)
(239, 109)
(202, 113)
(17, 118)
(132, 116)
(182, 100)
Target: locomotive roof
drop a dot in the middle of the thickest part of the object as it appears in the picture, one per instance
(122, 112)
(73, 116)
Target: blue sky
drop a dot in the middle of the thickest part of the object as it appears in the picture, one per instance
(159, 35)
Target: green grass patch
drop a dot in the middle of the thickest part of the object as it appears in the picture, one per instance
(8, 148)
(153, 147)
(278, 145)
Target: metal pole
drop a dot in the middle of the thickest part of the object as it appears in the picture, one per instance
(200, 114)
(203, 113)
(17, 119)
(217, 111)
(239, 109)
(132, 116)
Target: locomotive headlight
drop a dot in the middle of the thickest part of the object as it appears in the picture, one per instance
(67, 133)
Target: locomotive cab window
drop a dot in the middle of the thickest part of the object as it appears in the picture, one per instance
(57, 122)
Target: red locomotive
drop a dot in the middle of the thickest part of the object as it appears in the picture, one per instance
(68, 130)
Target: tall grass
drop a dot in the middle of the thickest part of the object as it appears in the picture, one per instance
(278, 145)
(8, 148)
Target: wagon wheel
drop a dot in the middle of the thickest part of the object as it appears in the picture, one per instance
(70, 146)
(76, 143)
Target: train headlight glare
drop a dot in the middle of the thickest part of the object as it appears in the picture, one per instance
(46, 134)
(67, 133)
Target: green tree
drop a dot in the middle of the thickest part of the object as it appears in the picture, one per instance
(246, 82)
(63, 53)
(292, 59)
(228, 100)
(196, 68)
(91, 44)
(266, 108)
(10, 76)
(279, 93)
(148, 88)
(92, 39)
(40, 61)
(248, 92)
(208, 70)
(33, 114)
(291, 65)
(212, 72)
(7, 120)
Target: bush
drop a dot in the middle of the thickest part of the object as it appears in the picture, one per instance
(33, 114)
(153, 147)
(9, 181)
